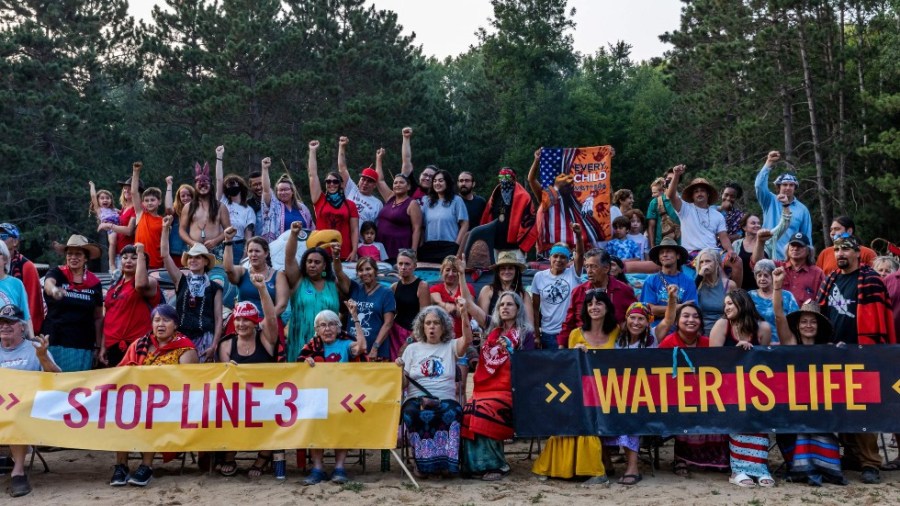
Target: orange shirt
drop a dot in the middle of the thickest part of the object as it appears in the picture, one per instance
(827, 263)
(148, 232)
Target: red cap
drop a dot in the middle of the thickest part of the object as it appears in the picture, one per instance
(370, 173)
(246, 309)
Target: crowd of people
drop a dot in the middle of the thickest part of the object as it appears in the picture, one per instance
(713, 275)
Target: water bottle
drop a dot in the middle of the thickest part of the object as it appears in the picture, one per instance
(278, 465)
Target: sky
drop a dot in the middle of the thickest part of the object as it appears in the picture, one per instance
(447, 27)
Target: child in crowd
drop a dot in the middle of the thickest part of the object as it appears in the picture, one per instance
(102, 205)
(148, 222)
(636, 232)
(621, 246)
(370, 248)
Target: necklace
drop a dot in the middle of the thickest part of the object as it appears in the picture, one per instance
(398, 203)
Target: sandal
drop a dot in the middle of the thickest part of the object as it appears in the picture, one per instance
(630, 479)
(257, 469)
(893, 465)
(742, 480)
(682, 469)
(766, 481)
(228, 468)
(492, 476)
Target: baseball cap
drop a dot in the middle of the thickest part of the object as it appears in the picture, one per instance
(11, 312)
(370, 173)
(246, 309)
(799, 238)
(10, 229)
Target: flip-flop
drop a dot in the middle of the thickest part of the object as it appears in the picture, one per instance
(630, 479)
(893, 465)
(228, 464)
(682, 469)
(492, 476)
(742, 480)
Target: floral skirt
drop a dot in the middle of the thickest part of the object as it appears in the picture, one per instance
(434, 435)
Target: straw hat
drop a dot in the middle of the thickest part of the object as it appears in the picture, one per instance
(79, 241)
(687, 194)
(668, 243)
(508, 258)
(824, 331)
(199, 250)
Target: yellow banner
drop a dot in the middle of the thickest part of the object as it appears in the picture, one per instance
(204, 407)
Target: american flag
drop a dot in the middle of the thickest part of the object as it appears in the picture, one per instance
(553, 162)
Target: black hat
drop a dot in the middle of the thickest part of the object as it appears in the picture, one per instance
(799, 238)
(127, 183)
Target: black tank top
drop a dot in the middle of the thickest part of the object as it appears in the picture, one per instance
(259, 356)
(407, 298)
(749, 280)
(730, 340)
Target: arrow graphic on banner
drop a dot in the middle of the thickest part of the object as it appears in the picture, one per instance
(12, 397)
(553, 392)
(896, 386)
(357, 403)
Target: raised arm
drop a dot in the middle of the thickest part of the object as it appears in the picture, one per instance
(533, 182)
(579, 248)
(785, 336)
(169, 199)
(359, 346)
(136, 190)
(383, 187)
(234, 272)
(463, 341)
(264, 166)
(312, 166)
(220, 174)
(669, 318)
(759, 250)
(763, 195)
(291, 269)
(171, 268)
(406, 152)
(95, 203)
(341, 279)
(342, 160)
(464, 292)
(270, 318)
(672, 190)
(143, 283)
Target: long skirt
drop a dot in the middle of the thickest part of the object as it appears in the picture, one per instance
(749, 454)
(633, 443)
(702, 451)
(483, 455)
(570, 456)
(434, 435)
(812, 457)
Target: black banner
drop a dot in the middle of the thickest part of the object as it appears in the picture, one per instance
(776, 389)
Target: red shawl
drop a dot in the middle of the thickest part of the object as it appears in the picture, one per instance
(874, 318)
(489, 412)
(139, 350)
(522, 229)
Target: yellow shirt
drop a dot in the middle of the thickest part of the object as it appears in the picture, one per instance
(577, 337)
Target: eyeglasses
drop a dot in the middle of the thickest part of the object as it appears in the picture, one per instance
(427, 176)
(332, 181)
(327, 325)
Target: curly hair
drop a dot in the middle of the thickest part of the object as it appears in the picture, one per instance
(449, 193)
(328, 273)
(418, 327)
(521, 314)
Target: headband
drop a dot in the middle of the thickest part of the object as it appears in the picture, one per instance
(641, 309)
(561, 250)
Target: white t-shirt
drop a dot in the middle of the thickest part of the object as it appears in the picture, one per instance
(433, 366)
(641, 240)
(368, 205)
(556, 293)
(241, 216)
(699, 227)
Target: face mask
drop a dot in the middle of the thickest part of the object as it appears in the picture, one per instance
(232, 191)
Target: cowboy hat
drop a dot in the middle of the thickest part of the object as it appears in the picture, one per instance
(199, 250)
(508, 258)
(824, 331)
(687, 194)
(79, 241)
(668, 243)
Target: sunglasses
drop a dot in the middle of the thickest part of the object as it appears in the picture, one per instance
(332, 181)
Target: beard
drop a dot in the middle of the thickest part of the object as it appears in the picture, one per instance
(464, 190)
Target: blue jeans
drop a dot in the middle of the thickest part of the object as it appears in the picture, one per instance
(548, 341)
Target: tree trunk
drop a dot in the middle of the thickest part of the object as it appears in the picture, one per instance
(786, 116)
(860, 42)
(813, 127)
(841, 141)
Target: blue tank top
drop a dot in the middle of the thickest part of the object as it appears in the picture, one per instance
(248, 292)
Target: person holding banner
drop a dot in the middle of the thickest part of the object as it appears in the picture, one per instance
(251, 344)
(487, 418)
(813, 458)
(15, 353)
(326, 346)
(163, 345)
(571, 456)
(430, 412)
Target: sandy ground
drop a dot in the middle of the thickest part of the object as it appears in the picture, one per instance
(80, 477)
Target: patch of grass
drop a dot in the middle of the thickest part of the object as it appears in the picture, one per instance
(537, 498)
(353, 486)
(756, 502)
(409, 486)
(714, 492)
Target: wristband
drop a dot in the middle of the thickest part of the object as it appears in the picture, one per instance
(227, 243)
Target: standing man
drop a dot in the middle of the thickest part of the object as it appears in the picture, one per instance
(465, 186)
(24, 270)
(17, 353)
(857, 303)
(363, 194)
(772, 207)
(596, 263)
(551, 290)
(701, 226)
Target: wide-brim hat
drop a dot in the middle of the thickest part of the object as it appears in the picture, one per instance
(824, 330)
(127, 183)
(508, 258)
(79, 241)
(687, 194)
(668, 243)
(199, 250)
(323, 237)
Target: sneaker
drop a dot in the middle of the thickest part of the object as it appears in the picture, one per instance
(19, 486)
(141, 477)
(120, 476)
(315, 476)
(870, 476)
(339, 476)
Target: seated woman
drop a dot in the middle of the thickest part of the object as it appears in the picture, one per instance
(378, 309)
(762, 297)
(430, 413)
(571, 456)
(163, 345)
(410, 295)
(326, 346)
(507, 277)
(487, 418)
(702, 451)
(813, 458)
(251, 344)
(743, 326)
(712, 285)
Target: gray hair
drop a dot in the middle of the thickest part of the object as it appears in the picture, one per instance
(810, 253)
(601, 254)
(326, 316)
(764, 265)
(895, 265)
(418, 327)
(521, 314)
(5, 252)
